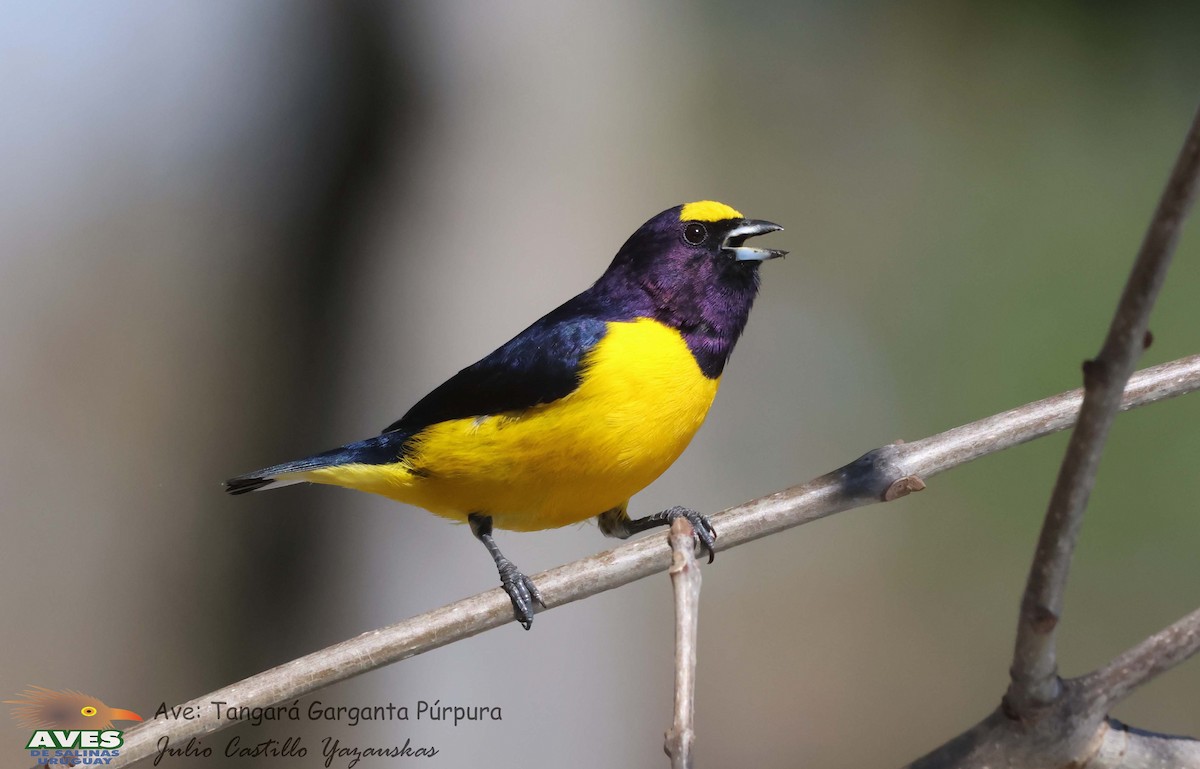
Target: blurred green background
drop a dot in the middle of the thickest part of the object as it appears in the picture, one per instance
(232, 234)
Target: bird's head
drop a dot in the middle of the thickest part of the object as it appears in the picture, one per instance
(690, 268)
(701, 240)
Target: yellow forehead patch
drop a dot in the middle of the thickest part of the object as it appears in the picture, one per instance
(707, 211)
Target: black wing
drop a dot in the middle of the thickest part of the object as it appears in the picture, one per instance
(539, 365)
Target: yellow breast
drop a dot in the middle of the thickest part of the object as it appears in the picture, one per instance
(641, 399)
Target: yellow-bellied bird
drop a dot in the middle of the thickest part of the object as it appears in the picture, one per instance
(581, 410)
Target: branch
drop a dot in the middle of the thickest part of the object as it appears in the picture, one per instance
(1157, 654)
(1075, 730)
(1123, 747)
(1068, 739)
(884, 472)
(1035, 669)
(1044, 721)
(685, 579)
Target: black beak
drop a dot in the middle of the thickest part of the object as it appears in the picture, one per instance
(749, 228)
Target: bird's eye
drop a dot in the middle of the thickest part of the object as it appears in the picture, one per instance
(88, 711)
(695, 233)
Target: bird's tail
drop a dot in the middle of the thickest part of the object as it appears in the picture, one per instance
(380, 450)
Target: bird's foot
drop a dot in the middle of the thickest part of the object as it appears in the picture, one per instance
(706, 535)
(521, 591)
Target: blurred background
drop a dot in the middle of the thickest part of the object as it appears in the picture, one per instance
(233, 234)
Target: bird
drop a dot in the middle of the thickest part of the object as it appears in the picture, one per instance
(45, 708)
(581, 410)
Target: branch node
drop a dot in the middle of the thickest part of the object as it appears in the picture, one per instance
(902, 487)
(1095, 373)
(1018, 706)
(871, 475)
(1043, 619)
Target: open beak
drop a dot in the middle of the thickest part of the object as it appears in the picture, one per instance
(749, 228)
(116, 714)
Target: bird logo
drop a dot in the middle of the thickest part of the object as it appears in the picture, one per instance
(66, 710)
(69, 727)
(577, 413)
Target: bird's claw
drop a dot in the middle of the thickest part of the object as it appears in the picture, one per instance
(522, 592)
(704, 531)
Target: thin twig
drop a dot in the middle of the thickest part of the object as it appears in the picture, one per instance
(1157, 654)
(685, 580)
(1035, 669)
(864, 481)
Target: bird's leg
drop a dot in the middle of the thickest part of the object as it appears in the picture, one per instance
(521, 590)
(617, 523)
